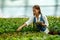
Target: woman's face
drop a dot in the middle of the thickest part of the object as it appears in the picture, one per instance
(35, 11)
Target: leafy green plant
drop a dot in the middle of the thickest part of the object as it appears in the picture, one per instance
(11, 24)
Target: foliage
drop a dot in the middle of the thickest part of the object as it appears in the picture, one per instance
(28, 36)
(8, 28)
(11, 24)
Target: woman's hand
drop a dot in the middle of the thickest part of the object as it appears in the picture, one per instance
(43, 24)
(40, 23)
(19, 28)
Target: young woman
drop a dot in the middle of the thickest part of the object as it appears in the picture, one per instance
(37, 18)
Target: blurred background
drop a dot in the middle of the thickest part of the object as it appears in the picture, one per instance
(23, 8)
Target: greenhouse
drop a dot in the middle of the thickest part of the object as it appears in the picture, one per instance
(14, 13)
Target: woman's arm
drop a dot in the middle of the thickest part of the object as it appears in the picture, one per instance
(46, 21)
(19, 28)
(26, 23)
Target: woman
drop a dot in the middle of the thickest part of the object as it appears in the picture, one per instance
(37, 18)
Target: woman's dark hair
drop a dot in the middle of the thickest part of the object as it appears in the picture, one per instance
(38, 8)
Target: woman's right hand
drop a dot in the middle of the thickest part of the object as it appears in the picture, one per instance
(19, 28)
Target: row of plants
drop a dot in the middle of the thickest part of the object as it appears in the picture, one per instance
(11, 24)
(8, 28)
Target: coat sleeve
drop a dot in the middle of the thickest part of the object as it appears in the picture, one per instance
(29, 21)
(46, 21)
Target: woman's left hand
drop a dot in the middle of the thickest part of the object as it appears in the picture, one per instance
(43, 24)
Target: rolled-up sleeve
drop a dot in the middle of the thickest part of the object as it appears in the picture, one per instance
(46, 21)
(29, 21)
